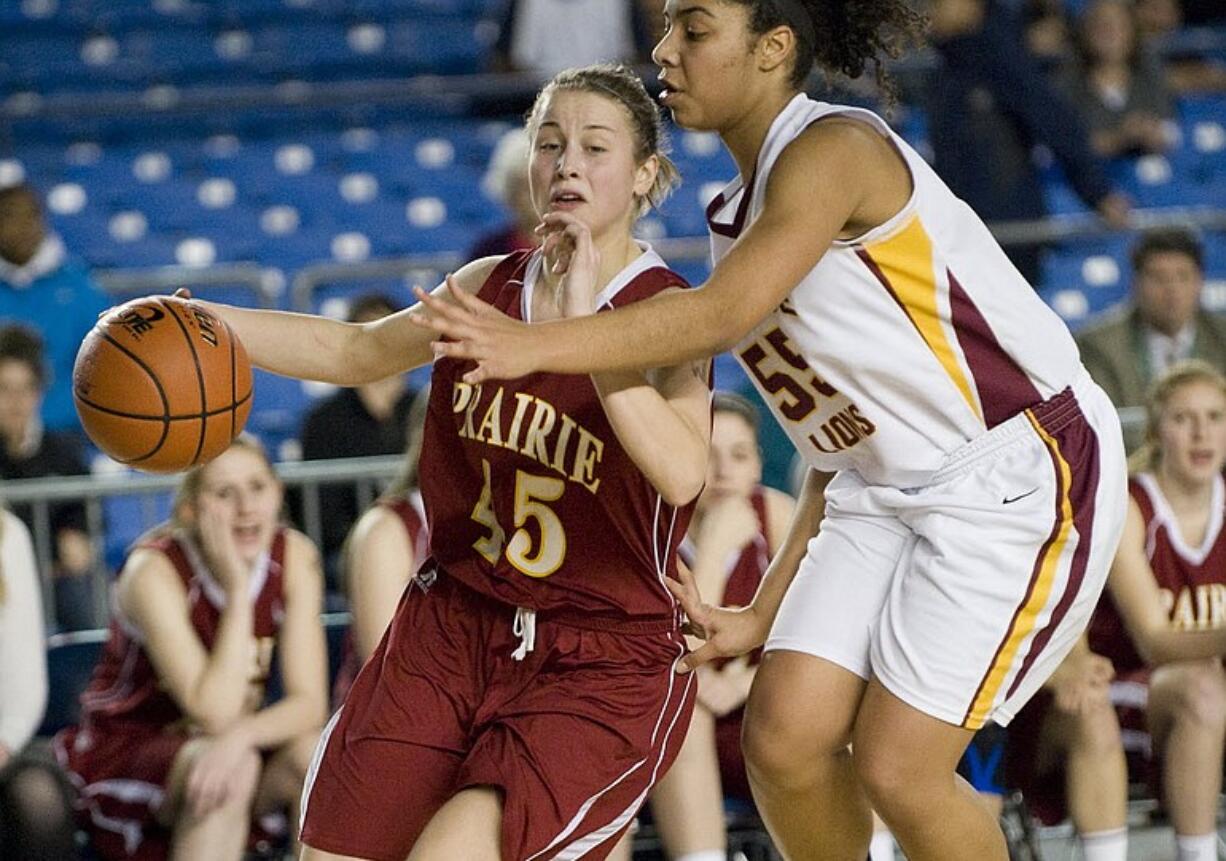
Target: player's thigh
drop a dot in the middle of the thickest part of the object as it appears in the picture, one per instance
(468, 826)
(833, 603)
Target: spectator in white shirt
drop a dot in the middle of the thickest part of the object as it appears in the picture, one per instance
(35, 823)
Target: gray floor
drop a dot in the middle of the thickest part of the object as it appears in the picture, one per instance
(1145, 843)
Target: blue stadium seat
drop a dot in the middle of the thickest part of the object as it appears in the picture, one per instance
(70, 663)
(127, 518)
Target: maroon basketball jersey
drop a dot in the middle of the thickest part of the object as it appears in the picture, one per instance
(529, 495)
(745, 569)
(125, 692)
(1192, 579)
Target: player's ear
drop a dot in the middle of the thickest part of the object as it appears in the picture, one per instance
(645, 176)
(775, 47)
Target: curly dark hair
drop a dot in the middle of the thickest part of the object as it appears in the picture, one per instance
(846, 34)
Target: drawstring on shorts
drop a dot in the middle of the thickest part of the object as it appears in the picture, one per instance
(525, 629)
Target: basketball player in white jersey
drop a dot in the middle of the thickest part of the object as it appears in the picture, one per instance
(980, 478)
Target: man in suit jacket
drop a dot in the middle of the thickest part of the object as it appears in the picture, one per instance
(1163, 323)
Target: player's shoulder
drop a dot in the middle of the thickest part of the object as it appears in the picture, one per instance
(472, 276)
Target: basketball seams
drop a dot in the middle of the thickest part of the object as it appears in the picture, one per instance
(204, 405)
(164, 419)
(111, 411)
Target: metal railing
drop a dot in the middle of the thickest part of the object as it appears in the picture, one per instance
(264, 282)
(368, 475)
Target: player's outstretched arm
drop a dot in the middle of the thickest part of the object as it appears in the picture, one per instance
(1139, 600)
(311, 347)
(827, 179)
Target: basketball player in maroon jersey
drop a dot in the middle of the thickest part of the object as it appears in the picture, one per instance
(381, 555)
(1161, 625)
(176, 751)
(737, 525)
(524, 699)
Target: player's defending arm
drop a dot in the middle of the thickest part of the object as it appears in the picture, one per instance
(838, 176)
(209, 686)
(1139, 600)
(734, 632)
(311, 347)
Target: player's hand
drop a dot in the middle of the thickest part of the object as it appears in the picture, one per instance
(215, 525)
(182, 293)
(503, 348)
(568, 244)
(214, 774)
(1082, 682)
(728, 631)
(725, 690)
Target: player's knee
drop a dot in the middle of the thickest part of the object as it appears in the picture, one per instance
(886, 777)
(1202, 699)
(770, 751)
(1098, 730)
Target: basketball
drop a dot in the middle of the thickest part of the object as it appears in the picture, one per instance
(161, 384)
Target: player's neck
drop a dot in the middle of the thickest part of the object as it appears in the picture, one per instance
(1184, 495)
(744, 137)
(616, 253)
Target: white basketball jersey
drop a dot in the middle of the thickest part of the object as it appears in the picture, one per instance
(902, 345)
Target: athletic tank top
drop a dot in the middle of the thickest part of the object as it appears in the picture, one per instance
(1192, 580)
(901, 346)
(530, 497)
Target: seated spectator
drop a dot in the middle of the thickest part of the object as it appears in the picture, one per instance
(354, 422)
(1164, 322)
(382, 555)
(1186, 71)
(547, 36)
(27, 450)
(1118, 88)
(41, 283)
(506, 180)
(35, 822)
(1047, 31)
(177, 751)
(736, 528)
(1160, 629)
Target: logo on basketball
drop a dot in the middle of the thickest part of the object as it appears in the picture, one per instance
(139, 320)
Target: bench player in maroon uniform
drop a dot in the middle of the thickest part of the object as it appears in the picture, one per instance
(176, 751)
(1161, 627)
(381, 555)
(737, 525)
(524, 699)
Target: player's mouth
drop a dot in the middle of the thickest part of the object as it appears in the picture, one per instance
(1201, 457)
(566, 199)
(248, 533)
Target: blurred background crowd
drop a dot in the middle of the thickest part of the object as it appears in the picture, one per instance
(327, 156)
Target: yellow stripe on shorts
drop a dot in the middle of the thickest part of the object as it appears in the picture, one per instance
(1024, 620)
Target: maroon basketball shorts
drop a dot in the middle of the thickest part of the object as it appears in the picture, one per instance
(121, 781)
(573, 735)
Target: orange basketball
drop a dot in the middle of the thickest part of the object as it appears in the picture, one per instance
(162, 384)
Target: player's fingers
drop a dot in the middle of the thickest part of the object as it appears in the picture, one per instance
(697, 658)
(183, 293)
(480, 374)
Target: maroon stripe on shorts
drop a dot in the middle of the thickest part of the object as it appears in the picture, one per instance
(1078, 446)
(1004, 389)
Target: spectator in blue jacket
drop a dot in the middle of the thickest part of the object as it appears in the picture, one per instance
(991, 106)
(43, 286)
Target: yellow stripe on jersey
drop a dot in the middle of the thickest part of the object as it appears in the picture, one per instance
(1024, 621)
(905, 262)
